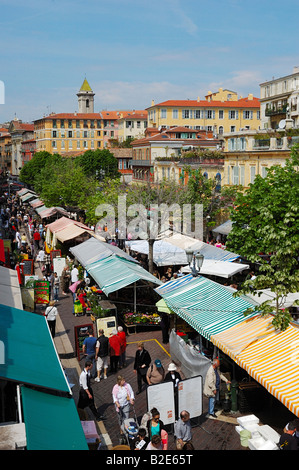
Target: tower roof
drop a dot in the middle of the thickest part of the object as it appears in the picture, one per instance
(85, 86)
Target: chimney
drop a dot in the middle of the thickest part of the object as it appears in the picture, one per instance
(198, 99)
(250, 96)
(153, 102)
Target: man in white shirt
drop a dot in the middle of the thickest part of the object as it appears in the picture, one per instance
(74, 274)
(86, 398)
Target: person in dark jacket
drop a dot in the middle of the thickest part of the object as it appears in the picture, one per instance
(141, 365)
(174, 377)
(102, 355)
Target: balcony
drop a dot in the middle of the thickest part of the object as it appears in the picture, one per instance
(140, 162)
(276, 111)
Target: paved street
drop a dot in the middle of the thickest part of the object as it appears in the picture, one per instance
(208, 434)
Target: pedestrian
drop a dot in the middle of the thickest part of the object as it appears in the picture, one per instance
(182, 430)
(56, 283)
(141, 441)
(74, 275)
(154, 425)
(115, 348)
(288, 440)
(155, 443)
(155, 373)
(86, 397)
(164, 323)
(174, 377)
(212, 385)
(102, 355)
(141, 365)
(89, 349)
(51, 314)
(36, 239)
(123, 398)
(123, 338)
(65, 280)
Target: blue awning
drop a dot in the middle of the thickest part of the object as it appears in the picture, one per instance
(52, 422)
(207, 306)
(29, 353)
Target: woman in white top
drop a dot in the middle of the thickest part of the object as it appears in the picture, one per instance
(123, 397)
(51, 313)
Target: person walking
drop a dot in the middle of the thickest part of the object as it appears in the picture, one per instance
(89, 349)
(154, 425)
(86, 397)
(212, 385)
(182, 430)
(155, 373)
(115, 348)
(102, 355)
(141, 365)
(65, 280)
(123, 339)
(51, 314)
(56, 283)
(174, 377)
(123, 398)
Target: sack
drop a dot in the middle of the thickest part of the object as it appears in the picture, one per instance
(78, 308)
(143, 370)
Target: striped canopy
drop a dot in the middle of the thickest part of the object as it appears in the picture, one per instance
(207, 306)
(268, 355)
(114, 273)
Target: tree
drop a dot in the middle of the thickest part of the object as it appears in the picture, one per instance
(62, 183)
(99, 163)
(266, 231)
(32, 168)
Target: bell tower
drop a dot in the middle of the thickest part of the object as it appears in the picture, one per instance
(85, 98)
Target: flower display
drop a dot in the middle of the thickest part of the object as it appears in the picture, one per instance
(141, 318)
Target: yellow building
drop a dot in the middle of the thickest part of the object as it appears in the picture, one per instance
(74, 133)
(220, 112)
(251, 153)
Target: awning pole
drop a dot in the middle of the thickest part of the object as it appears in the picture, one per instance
(134, 297)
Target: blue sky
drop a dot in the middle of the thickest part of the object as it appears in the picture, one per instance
(134, 51)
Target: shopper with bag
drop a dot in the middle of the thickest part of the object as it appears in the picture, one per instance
(123, 398)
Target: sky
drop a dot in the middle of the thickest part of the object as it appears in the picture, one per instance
(136, 51)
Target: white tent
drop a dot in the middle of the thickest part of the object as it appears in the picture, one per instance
(219, 268)
(165, 254)
(10, 291)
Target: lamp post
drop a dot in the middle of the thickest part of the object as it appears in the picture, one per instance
(197, 259)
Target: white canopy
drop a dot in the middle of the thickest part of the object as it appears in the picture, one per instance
(219, 268)
(10, 291)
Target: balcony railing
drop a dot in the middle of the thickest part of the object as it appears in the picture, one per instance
(275, 111)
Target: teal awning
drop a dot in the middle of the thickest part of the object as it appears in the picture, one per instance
(207, 306)
(52, 422)
(114, 273)
(29, 353)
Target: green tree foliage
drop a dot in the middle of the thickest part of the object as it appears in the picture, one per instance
(32, 168)
(266, 231)
(63, 183)
(99, 164)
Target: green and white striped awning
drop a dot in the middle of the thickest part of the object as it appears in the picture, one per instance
(207, 306)
(114, 273)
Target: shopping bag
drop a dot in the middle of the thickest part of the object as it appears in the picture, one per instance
(78, 308)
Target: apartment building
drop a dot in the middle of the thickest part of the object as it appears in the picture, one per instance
(153, 157)
(132, 125)
(280, 102)
(252, 153)
(220, 112)
(72, 134)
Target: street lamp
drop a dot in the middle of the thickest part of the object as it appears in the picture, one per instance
(197, 259)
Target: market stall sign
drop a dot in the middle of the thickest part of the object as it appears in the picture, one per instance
(41, 292)
(81, 332)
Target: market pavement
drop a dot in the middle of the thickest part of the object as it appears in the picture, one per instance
(208, 434)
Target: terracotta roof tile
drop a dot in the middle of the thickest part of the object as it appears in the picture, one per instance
(241, 103)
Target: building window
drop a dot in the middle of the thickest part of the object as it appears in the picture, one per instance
(252, 174)
(85, 134)
(54, 145)
(85, 144)
(78, 144)
(62, 123)
(197, 114)
(221, 114)
(185, 114)
(233, 128)
(85, 123)
(138, 124)
(220, 129)
(235, 170)
(242, 175)
(175, 114)
(163, 113)
(210, 114)
(233, 114)
(77, 124)
(247, 114)
(70, 124)
(264, 171)
(70, 134)
(54, 123)
(54, 134)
